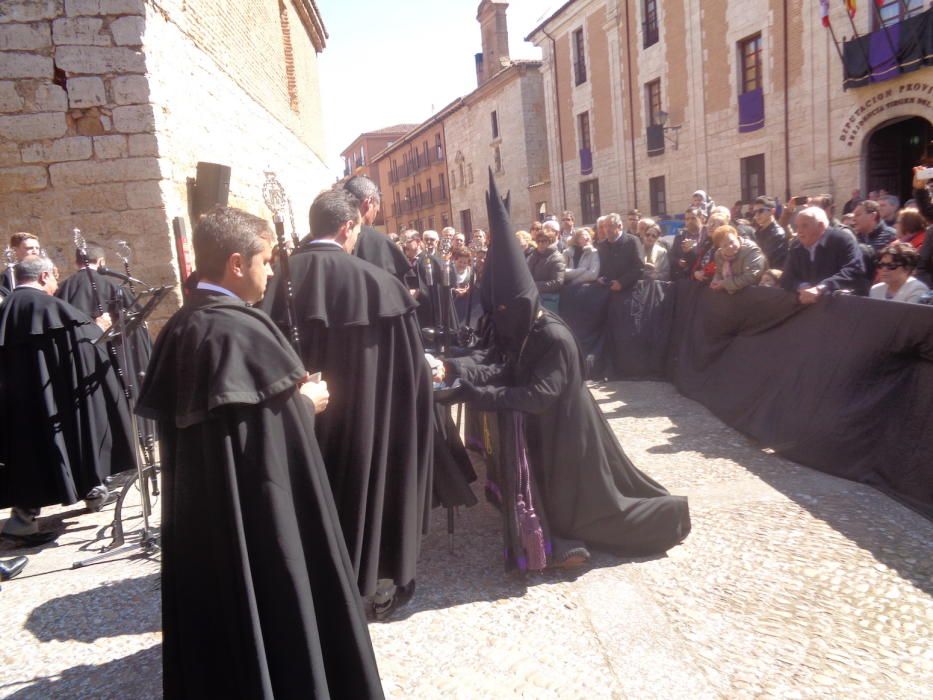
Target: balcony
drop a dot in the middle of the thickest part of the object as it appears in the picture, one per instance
(901, 47)
(650, 29)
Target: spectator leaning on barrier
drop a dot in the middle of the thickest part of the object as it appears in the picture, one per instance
(888, 206)
(869, 226)
(546, 263)
(620, 266)
(896, 265)
(739, 261)
(581, 259)
(683, 250)
(657, 265)
(826, 260)
(770, 236)
(911, 227)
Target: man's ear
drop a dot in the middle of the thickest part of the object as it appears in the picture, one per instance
(236, 265)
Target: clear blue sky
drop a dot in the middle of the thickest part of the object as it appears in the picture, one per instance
(395, 62)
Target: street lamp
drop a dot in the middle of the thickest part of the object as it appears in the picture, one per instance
(675, 130)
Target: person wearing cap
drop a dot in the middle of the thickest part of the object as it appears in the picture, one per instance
(563, 481)
(769, 235)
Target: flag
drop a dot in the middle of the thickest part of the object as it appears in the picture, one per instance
(850, 6)
(824, 12)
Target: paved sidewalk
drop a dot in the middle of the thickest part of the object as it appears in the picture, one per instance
(793, 584)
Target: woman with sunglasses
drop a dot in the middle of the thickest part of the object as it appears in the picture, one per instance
(895, 266)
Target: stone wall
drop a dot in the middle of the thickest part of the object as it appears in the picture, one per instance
(106, 106)
(516, 97)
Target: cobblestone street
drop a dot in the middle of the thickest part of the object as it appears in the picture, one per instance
(793, 584)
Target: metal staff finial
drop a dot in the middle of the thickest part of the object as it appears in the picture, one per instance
(80, 243)
(273, 194)
(124, 252)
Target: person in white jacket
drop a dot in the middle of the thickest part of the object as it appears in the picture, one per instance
(581, 258)
(657, 265)
(896, 264)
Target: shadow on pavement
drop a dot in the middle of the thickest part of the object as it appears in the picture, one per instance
(138, 676)
(126, 607)
(894, 540)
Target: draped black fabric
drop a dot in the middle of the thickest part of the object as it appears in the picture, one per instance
(844, 386)
(358, 328)
(64, 421)
(583, 308)
(259, 599)
(376, 248)
(637, 331)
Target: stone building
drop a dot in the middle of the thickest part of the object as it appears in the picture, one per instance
(413, 176)
(648, 101)
(358, 156)
(500, 125)
(108, 106)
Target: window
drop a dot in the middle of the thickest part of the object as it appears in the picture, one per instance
(750, 64)
(470, 174)
(583, 138)
(418, 199)
(497, 156)
(462, 178)
(653, 102)
(430, 194)
(894, 11)
(589, 201)
(445, 220)
(466, 222)
(442, 187)
(651, 22)
(579, 58)
(657, 195)
(438, 148)
(453, 181)
(427, 158)
(431, 223)
(495, 124)
(753, 177)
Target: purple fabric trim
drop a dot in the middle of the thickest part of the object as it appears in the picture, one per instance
(751, 111)
(586, 161)
(529, 526)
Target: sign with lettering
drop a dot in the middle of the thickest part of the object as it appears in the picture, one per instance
(918, 94)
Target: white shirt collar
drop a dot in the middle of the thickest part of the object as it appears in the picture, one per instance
(216, 288)
(325, 241)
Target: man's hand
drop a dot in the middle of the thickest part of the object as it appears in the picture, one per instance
(699, 276)
(616, 286)
(918, 183)
(103, 322)
(317, 393)
(716, 284)
(810, 295)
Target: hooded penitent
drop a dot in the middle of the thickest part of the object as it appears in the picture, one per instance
(513, 295)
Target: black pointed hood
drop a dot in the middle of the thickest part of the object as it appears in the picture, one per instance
(513, 294)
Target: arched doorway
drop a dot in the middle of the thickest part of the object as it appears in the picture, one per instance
(893, 149)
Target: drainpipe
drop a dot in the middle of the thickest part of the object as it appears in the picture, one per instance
(631, 106)
(560, 134)
(787, 194)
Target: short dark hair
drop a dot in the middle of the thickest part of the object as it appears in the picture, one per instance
(767, 202)
(902, 254)
(94, 251)
(361, 187)
(223, 231)
(330, 210)
(29, 268)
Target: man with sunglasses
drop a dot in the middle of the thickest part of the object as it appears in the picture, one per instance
(769, 235)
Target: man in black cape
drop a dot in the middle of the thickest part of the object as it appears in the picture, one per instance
(97, 294)
(258, 595)
(357, 327)
(64, 419)
(372, 246)
(566, 483)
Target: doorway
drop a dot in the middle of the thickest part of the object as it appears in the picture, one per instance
(893, 150)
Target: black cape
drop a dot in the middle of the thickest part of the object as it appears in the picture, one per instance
(589, 487)
(258, 595)
(64, 421)
(358, 328)
(78, 291)
(376, 248)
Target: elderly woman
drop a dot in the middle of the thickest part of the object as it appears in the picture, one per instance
(581, 259)
(525, 242)
(705, 265)
(911, 227)
(547, 267)
(896, 264)
(657, 265)
(739, 261)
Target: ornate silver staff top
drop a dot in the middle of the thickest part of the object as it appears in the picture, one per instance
(9, 257)
(273, 194)
(80, 243)
(124, 252)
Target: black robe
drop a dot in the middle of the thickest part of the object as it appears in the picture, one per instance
(258, 595)
(78, 291)
(358, 328)
(589, 489)
(376, 248)
(64, 421)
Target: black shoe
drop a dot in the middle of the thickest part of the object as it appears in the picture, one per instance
(401, 596)
(12, 567)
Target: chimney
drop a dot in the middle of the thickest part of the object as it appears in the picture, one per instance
(494, 31)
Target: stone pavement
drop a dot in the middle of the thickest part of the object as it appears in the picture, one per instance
(793, 584)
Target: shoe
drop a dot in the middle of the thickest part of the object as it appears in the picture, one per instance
(35, 539)
(98, 497)
(12, 567)
(569, 554)
(383, 609)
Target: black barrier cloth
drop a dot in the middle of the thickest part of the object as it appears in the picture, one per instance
(844, 386)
